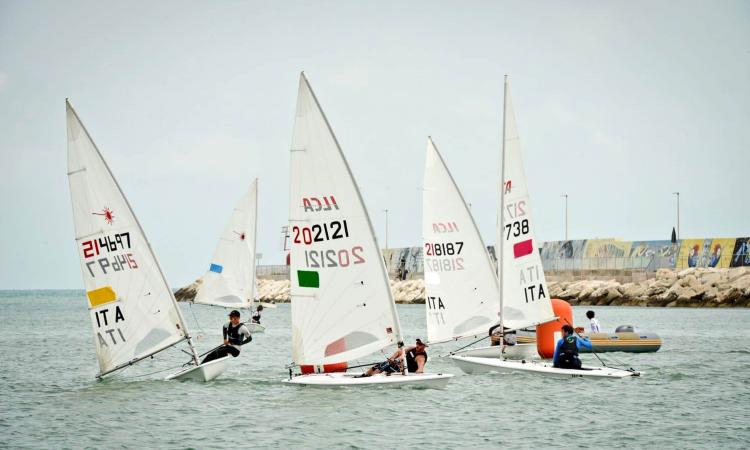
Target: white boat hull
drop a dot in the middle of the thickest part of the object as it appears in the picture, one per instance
(474, 365)
(518, 351)
(255, 328)
(204, 372)
(267, 305)
(342, 379)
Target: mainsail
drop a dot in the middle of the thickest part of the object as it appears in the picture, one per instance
(230, 279)
(462, 297)
(133, 311)
(342, 306)
(525, 295)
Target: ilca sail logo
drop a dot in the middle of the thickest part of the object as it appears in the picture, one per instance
(107, 213)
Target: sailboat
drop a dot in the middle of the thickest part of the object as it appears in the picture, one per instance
(524, 296)
(230, 280)
(342, 305)
(462, 295)
(133, 311)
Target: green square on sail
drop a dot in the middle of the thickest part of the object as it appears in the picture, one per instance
(308, 279)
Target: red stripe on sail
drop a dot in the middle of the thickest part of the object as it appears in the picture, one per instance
(522, 248)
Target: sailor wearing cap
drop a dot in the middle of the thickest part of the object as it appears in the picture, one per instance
(235, 335)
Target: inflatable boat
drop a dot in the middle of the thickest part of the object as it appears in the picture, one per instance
(626, 338)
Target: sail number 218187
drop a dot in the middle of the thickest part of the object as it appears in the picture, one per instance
(443, 257)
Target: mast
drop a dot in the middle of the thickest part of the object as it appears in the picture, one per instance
(148, 243)
(499, 246)
(253, 281)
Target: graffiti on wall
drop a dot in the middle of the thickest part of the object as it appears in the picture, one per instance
(595, 254)
(705, 253)
(741, 253)
(565, 255)
(403, 262)
(606, 253)
(660, 254)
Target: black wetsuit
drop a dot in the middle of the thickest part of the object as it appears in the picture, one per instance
(411, 359)
(237, 336)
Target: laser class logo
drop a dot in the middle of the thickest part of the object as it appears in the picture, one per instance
(508, 186)
(109, 216)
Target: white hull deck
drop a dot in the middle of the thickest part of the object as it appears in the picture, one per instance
(474, 365)
(518, 351)
(255, 327)
(204, 372)
(342, 379)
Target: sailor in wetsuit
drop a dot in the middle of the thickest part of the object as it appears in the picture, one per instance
(416, 358)
(498, 333)
(566, 351)
(256, 315)
(235, 334)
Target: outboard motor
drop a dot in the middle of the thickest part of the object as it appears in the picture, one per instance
(625, 329)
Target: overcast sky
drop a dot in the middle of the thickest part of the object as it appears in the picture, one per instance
(618, 104)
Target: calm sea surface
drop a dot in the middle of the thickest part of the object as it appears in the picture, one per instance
(695, 393)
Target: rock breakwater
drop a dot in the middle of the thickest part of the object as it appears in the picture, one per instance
(694, 287)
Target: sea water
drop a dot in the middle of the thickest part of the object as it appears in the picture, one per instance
(695, 392)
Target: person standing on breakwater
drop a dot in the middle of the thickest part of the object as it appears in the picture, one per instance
(566, 351)
(593, 322)
(235, 335)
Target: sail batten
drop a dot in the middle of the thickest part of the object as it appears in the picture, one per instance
(342, 306)
(133, 312)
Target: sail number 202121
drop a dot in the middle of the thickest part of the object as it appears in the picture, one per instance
(336, 229)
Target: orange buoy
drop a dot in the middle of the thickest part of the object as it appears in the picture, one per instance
(549, 333)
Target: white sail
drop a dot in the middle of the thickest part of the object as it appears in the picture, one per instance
(462, 297)
(230, 279)
(525, 296)
(132, 309)
(342, 306)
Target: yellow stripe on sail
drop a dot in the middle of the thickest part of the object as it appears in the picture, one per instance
(101, 296)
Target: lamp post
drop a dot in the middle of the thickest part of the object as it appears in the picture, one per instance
(678, 213)
(566, 215)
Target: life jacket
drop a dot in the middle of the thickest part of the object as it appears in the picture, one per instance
(233, 333)
(569, 346)
(411, 359)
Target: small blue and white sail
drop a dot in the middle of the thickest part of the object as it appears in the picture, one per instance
(230, 279)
